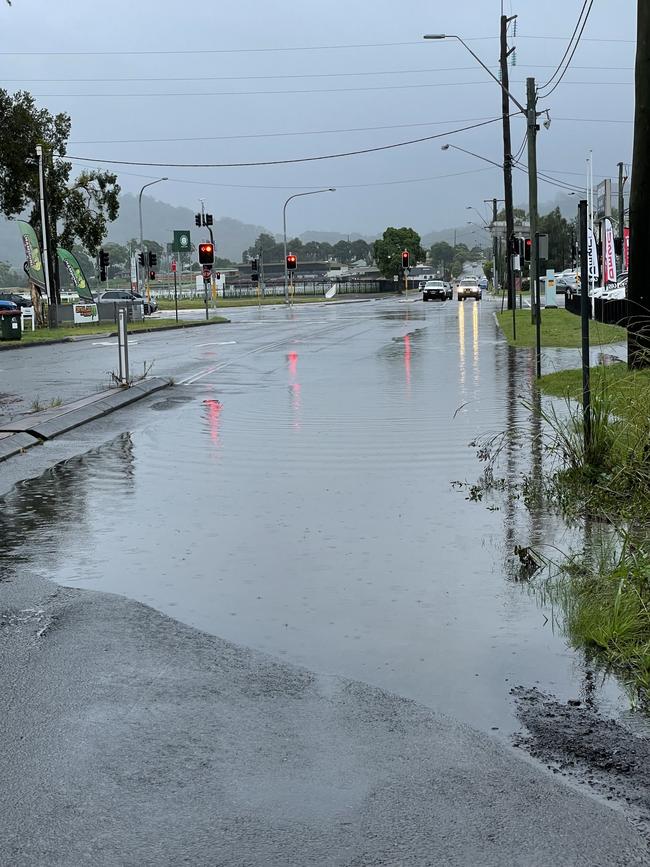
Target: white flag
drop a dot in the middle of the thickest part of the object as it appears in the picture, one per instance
(592, 254)
(609, 255)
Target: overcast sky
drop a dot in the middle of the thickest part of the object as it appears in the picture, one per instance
(237, 53)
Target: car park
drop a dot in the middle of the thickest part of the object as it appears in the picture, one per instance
(436, 290)
(469, 288)
(16, 298)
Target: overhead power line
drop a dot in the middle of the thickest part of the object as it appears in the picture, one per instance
(568, 48)
(286, 161)
(570, 58)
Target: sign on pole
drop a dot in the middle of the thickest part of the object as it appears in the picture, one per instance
(182, 242)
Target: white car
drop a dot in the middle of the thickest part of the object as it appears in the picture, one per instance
(436, 290)
(469, 288)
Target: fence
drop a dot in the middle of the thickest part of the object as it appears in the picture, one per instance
(609, 312)
(308, 288)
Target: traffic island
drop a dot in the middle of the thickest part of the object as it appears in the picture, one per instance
(18, 435)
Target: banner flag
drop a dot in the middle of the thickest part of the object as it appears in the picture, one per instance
(32, 254)
(592, 255)
(76, 273)
(626, 248)
(134, 273)
(609, 255)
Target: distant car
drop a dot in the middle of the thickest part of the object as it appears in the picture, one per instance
(8, 305)
(125, 296)
(469, 288)
(482, 283)
(436, 290)
(15, 298)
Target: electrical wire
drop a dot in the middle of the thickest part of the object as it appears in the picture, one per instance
(286, 161)
(568, 48)
(575, 48)
(521, 148)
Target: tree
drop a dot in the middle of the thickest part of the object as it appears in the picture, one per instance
(388, 250)
(488, 269)
(442, 254)
(343, 252)
(638, 291)
(360, 250)
(11, 278)
(78, 209)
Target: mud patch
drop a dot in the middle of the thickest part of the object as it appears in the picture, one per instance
(576, 742)
(170, 402)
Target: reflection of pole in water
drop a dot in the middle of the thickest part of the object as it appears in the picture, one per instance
(461, 340)
(407, 359)
(536, 506)
(477, 376)
(512, 439)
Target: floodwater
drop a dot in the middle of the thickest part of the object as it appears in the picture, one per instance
(295, 494)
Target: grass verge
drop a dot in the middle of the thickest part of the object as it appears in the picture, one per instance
(559, 328)
(66, 332)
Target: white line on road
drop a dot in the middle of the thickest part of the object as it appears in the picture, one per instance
(218, 343)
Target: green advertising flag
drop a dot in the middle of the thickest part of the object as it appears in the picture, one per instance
(32, 254)
(76, 273)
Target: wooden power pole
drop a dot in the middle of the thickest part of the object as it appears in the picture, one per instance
(507, 161)
(638, 287)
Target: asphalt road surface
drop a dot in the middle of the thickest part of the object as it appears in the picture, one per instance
(292, 495)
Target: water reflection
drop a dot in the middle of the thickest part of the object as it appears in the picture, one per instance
(461, 344)
(407, 361)
(213, 409)
(294, 389)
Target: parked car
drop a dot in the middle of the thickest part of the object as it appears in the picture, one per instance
(8, 305)
(125, 296)
(436, 290)
(15, 298)
(469, 288)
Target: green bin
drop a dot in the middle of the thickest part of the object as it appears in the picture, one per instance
(10, 325)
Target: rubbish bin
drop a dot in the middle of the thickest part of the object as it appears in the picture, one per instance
(10, 325)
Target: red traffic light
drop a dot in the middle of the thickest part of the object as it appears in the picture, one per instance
(206, 254)
(528, 246)
(152, 275)
(406, 258)
(292, 262)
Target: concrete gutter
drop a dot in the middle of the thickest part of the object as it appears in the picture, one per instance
(17, 435)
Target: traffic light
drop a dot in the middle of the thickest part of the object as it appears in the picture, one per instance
(292, 262)
(528, 248)
(141, 260)
(103, 259)
(255, 276)
(218, 275)
(197, 219)
(153, 259)
(206, 254)
(152, 275)
(209, 219)
(406, 259)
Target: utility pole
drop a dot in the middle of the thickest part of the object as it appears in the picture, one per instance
(495, 267)
(507, 159)
(638, 291)
(531, 108)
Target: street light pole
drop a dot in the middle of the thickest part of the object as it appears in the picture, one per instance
(150, 184)
(284, 231)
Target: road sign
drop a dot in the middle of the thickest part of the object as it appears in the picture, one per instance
(182, 242)
(173, 266)
(206, 273)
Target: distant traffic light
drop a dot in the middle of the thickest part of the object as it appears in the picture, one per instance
(197, 219)
(255, 276)
(209, 219)
(528, 247)
(152, 275)
(292, 262)
(103, 264)
(406, 259)
(206, 254)
(153, 259)
(141, 260)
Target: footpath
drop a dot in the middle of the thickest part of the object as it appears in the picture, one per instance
(24, 432)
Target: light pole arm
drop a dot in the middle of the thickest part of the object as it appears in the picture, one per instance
(284, 231)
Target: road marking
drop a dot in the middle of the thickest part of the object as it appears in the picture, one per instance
(218, 343)
(106, 343)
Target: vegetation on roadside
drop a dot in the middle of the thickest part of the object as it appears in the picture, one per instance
(65, 332)
(559, 328)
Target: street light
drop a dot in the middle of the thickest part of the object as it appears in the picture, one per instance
(445, 147)
(478, 213)
(480, 62)
(150, 184)
(284, 227)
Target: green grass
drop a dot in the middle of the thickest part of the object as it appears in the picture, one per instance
(198, 304)
(629, 390)
(559, 328)
(67, 331)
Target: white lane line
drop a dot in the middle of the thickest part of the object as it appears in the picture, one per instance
(106, 343)
(218, 343)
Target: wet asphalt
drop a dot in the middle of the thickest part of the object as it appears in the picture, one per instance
(291, 493)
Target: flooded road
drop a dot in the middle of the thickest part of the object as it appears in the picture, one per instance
(293, 492)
